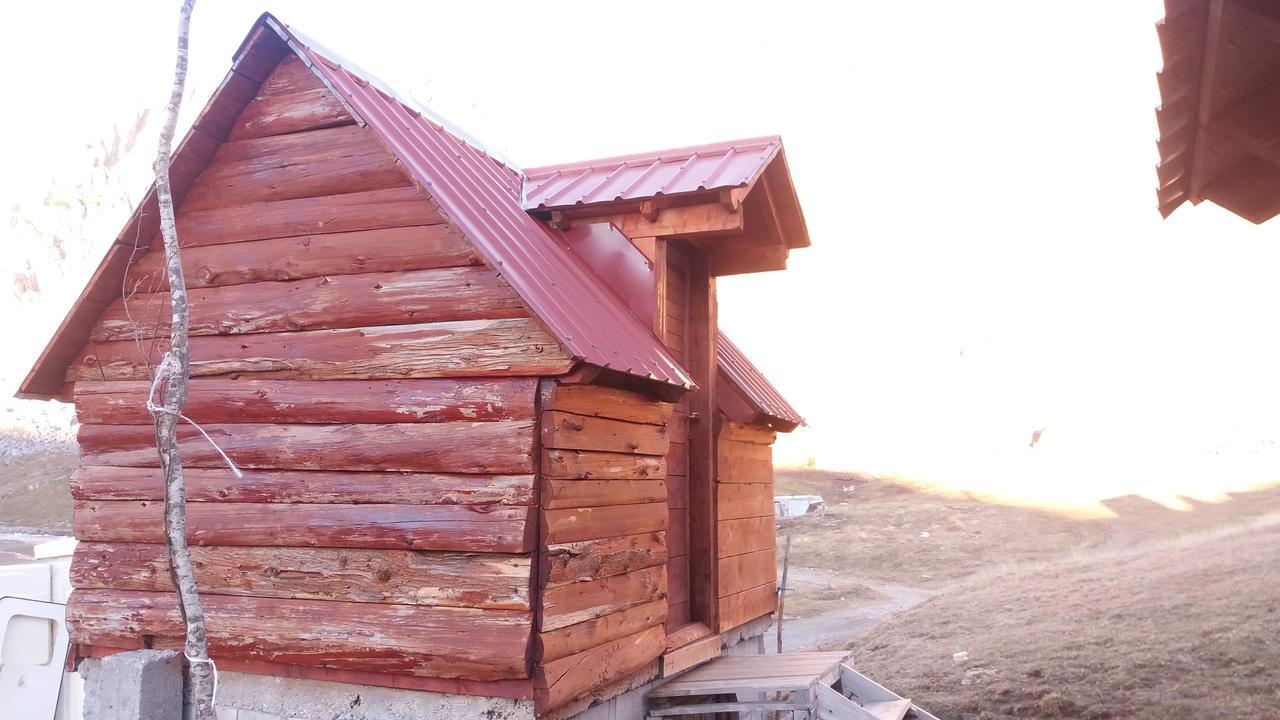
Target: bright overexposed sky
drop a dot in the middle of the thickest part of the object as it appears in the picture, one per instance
(978, 180)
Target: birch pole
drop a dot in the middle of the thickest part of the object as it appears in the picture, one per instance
(173, 373)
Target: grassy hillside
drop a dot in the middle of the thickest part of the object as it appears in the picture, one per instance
(1177, 630)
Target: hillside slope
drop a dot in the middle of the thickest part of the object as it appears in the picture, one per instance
(1181, 629)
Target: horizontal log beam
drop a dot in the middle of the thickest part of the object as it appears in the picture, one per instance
(565, 605)
(213, 400)
(333, 301)
(406, 577)
(419, 527)
(583, 636)
(600, 493)
(685, 221)
(594, 523)
(560, 681)
(415, 247)
(590, 465)
(104, 482)
(592, 559)
(608, 402)
(284, 167)
(410, 640)
(502, 447)
(293, 112)
(345, 212)
(567, 431)
(476, 348)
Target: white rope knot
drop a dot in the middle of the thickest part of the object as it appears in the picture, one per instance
(212, 666)
(167, 367)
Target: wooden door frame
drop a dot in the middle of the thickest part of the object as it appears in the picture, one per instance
(701, 329)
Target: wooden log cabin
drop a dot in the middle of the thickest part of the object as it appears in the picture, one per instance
(493, 441)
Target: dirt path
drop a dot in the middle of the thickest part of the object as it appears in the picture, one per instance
(841, 623)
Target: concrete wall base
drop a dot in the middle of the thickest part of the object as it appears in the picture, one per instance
(147, 685)
(139, 685)
(242, 696)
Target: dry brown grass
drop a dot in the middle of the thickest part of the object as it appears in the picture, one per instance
(1183, 629)
(879, 534)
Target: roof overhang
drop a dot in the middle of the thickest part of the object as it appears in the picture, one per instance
(736, 200)
(1220, 98)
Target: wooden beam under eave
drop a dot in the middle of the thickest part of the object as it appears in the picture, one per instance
(749, 259)
(684, 221)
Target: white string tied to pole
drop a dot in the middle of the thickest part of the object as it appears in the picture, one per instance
(168, 366)
(212, 666)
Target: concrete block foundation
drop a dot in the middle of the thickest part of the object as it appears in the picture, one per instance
(139, 685)
(147, 685)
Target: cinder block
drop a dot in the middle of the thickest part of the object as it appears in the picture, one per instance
(138, 685)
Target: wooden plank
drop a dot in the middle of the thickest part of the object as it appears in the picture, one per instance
(567, 431)
(285, 167)
(413, 640)
(686, 221)
(574, 524)
(746, 535)
(333, 301)
(607, 402)
(690, 655)
(212, 400)
(741, 709)
(678, 585)
(589, 465)
(102, 482)
(738, 432)
(340, 213)
(475, 348)
(739, 608)
(573, 603)
(740, 573)
(739, 462)
(834, 706)
(702, 363)
(407, 577)
(685, 634)
(279, 114)
(598, 493)
(290, 75)
(583, 636)
(678, 491)
(593, 559)
(741, 500)
(413, 247)
(419, 527)
(560, 681)
(502, 447)
(889, 710)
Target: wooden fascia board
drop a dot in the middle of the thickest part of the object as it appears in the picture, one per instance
(1204, 110)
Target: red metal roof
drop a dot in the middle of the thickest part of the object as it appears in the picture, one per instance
(668, 172)
(481, 196)
(753, 384)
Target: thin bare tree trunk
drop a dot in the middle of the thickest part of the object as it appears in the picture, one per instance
(176, 369)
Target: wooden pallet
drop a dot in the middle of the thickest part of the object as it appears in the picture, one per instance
(807, 686)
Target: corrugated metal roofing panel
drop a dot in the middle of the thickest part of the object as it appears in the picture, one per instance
(742, 373)
(667, 172)
(481, 196)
